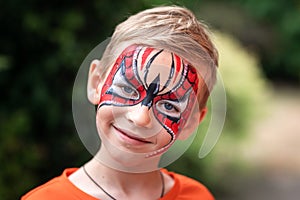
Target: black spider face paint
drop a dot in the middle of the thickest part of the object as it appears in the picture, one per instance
(151, 92)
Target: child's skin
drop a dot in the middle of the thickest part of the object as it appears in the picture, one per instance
(144, 104)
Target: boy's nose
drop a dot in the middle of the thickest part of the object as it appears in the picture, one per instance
(140, 116)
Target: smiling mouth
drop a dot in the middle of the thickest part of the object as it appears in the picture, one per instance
(131, 139)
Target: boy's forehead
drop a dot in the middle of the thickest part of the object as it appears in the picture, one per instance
(152, 63)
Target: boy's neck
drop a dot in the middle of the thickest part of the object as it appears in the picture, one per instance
(125, 184)
(121, 161)
(117, 176)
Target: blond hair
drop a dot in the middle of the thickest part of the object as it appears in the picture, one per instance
(175, 29)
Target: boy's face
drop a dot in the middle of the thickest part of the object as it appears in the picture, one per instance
(146, 100)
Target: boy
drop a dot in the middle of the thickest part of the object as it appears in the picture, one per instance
(150, 89)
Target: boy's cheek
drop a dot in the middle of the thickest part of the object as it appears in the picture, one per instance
(165, 138)
(192, 124)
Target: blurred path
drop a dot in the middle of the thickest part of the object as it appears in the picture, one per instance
(273, 150)
(275, 143)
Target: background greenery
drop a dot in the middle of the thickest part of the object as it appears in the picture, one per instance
(44, 42)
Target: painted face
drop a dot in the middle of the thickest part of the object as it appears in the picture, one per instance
(137, 77)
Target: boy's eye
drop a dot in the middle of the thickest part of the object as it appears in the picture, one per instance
(170, 108)
(128, 89)
(122, 88)
(124, 91)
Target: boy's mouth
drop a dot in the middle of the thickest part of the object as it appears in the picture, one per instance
(130, 138)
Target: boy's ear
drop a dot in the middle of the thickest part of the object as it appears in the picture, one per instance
(94, 82)
(195, 119)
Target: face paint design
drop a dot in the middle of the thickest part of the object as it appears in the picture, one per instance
(137, 77)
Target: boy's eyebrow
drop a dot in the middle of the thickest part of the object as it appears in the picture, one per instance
(184, 97)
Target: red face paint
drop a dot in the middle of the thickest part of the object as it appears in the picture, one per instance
(136, 78)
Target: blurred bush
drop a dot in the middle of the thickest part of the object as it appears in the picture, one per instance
(270, 28)
(247, 93)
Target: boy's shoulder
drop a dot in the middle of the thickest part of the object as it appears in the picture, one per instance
(59, 188)
(187, 188)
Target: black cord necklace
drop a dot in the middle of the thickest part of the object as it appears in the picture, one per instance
(90, 177)
(97, 183)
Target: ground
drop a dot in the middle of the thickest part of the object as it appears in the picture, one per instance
(273, 150)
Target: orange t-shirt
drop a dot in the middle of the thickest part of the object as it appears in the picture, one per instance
(60, 188)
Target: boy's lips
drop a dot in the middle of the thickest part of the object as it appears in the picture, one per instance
(131, 138)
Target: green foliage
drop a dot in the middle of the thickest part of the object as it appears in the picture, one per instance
(270, 28)
(245, 85)
(284, 18)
